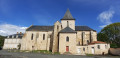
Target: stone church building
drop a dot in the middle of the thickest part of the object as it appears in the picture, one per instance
(64, 37)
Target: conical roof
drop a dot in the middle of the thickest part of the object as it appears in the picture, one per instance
(68, 16)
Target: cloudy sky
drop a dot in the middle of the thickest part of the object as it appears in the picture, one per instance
(17, 15)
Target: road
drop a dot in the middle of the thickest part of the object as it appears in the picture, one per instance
(6, 54)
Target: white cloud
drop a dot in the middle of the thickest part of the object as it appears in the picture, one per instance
(105, 17)
(8, 29)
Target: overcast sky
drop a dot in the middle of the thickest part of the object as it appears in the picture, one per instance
(17, 15)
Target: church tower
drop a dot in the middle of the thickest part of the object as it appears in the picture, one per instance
(68, 20)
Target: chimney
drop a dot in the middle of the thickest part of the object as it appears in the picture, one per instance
(20, 32)
(7, 36)
(17, 32)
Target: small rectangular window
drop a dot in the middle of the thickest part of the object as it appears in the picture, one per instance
(106, 46)
(98, 46)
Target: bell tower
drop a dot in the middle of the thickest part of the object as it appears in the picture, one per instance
(68, 20)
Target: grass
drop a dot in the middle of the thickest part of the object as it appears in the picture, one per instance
(89, 55)
(41, 51)
(35, 51)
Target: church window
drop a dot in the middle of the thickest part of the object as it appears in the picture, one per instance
(98, 46)
(43, 36)
(32, 37)
(67, 39)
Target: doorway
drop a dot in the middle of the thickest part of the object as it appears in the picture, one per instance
(93, 50)
(67, 48)
(79, 50)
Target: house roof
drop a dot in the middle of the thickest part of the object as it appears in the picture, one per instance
(15, 36)
(51, 28)
(68, 16)
(97, 42)
(67, 30)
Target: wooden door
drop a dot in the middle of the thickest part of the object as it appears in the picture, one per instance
(67, 48)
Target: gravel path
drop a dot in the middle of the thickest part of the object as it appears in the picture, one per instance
(5, 54)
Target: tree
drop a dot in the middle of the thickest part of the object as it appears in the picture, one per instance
(1, 40)
(111, 34)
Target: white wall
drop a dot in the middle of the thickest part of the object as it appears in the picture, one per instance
(11, 43)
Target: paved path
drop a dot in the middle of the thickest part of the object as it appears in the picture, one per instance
(5, 54)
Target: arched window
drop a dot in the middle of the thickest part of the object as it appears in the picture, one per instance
(43, 36)
(67, 39)
(32, 37)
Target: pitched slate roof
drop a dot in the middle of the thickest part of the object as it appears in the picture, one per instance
(51, 28)
(67, 30)
(83, 28)
(68, 16)
(40, 28)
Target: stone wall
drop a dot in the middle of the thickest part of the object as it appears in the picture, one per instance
(86, 37)
(38, 43)
(63, 43)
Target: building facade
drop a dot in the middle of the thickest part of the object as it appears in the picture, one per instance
(64, 37)
(12, 41)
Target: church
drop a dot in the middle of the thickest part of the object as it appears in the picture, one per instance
(64, 37)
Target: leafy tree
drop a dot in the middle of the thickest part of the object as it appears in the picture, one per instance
(111, 34)
(1, 40)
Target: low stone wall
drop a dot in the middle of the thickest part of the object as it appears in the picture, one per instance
(114, 51)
